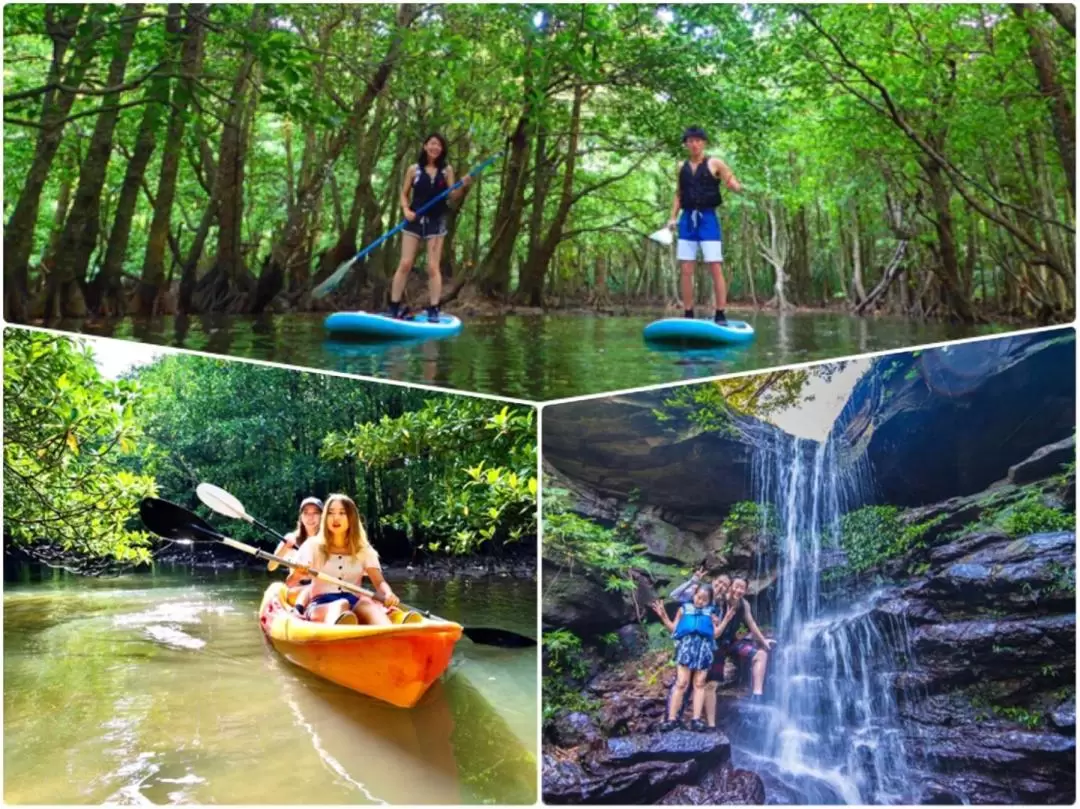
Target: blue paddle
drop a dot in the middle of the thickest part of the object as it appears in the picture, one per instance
(331, 283)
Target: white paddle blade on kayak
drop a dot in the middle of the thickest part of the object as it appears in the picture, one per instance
(663, 236)
(219, 500)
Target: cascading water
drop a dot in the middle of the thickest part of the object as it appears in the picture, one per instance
(831, 734)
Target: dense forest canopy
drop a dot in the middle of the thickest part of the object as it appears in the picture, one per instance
(432, 474)
(200, 157)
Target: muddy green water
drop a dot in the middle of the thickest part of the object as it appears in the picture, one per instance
(161, 689)
(534, 357)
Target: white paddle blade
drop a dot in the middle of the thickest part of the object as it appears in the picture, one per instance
(663, 236)
(219, 500)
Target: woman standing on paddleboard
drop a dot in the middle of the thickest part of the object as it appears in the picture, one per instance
(429, 177)
(698, 196)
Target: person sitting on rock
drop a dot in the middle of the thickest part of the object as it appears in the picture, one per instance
(743, 650)
(695, 629)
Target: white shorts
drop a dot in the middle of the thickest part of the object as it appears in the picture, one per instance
(712, 252)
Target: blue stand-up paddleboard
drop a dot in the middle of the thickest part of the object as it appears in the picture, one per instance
(372, 326)
(688, 330)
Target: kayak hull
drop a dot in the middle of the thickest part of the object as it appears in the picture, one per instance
(684, 329)
(395, 664)
(376, 326)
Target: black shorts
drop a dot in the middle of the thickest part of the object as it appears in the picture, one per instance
(742, 651)
(427, 227)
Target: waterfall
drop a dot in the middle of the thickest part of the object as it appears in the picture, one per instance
(831, 731)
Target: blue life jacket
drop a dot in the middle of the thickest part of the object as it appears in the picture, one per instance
(694, 621)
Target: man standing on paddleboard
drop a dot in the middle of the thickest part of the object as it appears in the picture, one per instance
(697, 193)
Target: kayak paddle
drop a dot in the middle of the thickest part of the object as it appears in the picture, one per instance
(331, 283)
(217, 499)
(225, 504)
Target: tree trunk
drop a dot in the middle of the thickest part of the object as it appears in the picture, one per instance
(542, 175)
(748, 260)
(1065, 14)
(858, 290)
(532, 276)
(105, 292)
(63, 204)
(365, 205)
(1061, 113)
(61, 24)
(64, 290)
(495, 270)
(776, 253)
(949, 271)
(287, 247)
(153, 269)
(226, 286)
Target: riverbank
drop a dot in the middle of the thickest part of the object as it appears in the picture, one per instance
(20, 567)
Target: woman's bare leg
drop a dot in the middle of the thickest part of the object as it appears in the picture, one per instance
(328, 613)
(434, 269)
(710, 703)
(370, 612)
(410, 245)
(757, 672)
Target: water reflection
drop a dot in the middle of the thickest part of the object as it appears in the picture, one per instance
(532, 356)
(109, 697)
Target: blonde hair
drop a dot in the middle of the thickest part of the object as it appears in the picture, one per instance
(356, 536)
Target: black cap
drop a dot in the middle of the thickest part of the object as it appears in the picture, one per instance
(694, 132)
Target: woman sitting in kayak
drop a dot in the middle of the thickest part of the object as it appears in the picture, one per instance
(424, 181)
(307, 526)
(341, 549)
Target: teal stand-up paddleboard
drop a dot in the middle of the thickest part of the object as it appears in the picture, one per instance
(689, 330)
(372, 326)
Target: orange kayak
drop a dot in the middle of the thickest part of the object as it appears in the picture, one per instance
(396, 663)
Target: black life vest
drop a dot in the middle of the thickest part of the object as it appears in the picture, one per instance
(727, 637)
(425, 189)
(699, 190)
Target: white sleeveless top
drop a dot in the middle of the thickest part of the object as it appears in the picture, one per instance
(342, 566)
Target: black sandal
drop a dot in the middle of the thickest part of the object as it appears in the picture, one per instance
(698, 725)
(669, 725)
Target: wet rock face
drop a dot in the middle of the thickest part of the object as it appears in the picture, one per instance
(947, 423)
(1044, 462)
(998, 765)
(988, 704)
(573, 729)
(720, 787)
(672, 768)
(617, 445)
(579, 603)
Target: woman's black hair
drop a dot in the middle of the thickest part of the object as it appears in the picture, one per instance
(440, 162)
